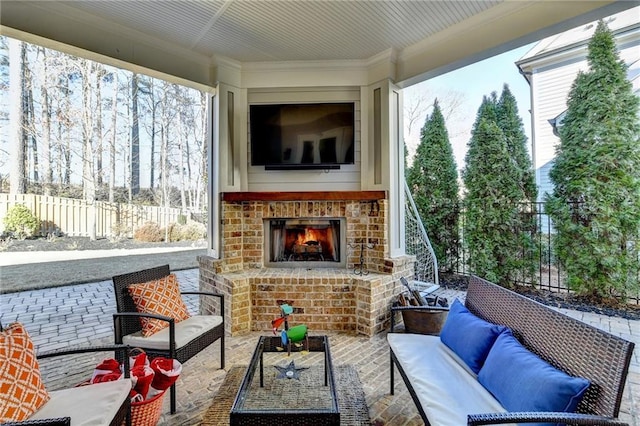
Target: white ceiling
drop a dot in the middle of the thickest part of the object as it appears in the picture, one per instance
(250, 31)
(254, 31)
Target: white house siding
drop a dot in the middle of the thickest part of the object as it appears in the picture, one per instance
(347, 178)
(551, 86)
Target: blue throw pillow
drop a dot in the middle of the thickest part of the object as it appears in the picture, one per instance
(468, 336)
(522, 381)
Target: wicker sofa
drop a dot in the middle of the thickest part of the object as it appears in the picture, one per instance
(447, 394)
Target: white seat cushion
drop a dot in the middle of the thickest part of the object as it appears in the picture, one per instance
(447, 389)
(93, 405)
(186, 331)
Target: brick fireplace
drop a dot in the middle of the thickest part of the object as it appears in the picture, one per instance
(322, 241)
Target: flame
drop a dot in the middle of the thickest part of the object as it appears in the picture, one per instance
(309, 235)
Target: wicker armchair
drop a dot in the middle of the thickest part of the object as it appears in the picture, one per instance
(59, 414)
(127, 323)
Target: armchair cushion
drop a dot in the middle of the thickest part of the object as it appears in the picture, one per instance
(22, 391)
(186, 331)
(161, 297)
(522, 381)
(95, 404)
(468, 336)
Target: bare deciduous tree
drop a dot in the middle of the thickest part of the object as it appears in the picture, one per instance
(417, 107)
(47, 177)
(135, 138)
(17, 177)
(99, 74)
(114, 134)
(88, 169)
(29, 119)
(68, 148)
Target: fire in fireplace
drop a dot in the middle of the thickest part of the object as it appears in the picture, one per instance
(305, 242)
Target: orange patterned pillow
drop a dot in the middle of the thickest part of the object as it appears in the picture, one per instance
(160, 297)
(22, 392)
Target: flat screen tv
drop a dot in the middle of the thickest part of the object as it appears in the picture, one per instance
(301, 136)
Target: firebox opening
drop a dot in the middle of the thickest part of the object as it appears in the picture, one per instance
(311, 242)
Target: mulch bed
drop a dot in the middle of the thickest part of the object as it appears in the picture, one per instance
(610, 307)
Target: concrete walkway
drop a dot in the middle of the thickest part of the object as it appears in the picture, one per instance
(74, 315)
(10, 258)
(20, 271)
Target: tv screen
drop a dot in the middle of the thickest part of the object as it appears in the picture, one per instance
(302, 136)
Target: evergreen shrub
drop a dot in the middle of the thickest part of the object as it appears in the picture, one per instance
(21, 223)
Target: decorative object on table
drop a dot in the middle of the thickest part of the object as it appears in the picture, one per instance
(290, 335)
(149, 381)
(359, 269)
(290, 371)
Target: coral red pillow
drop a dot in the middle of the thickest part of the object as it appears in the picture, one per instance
(22, 392)
(161, 297)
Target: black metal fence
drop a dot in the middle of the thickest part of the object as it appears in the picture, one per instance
(549, 274)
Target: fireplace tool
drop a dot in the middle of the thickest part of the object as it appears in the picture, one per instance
(359, 269)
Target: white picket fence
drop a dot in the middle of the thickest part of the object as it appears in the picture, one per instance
(71, 217)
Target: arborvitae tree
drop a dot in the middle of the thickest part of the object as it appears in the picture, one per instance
(488, 110)
(492, 233)
(433, 180)
(595, 204)
(511, 125)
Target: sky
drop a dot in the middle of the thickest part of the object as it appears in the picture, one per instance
(470, 84)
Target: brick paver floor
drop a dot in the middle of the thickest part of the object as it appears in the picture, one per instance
(81, 315)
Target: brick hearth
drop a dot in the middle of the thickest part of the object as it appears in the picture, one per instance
(323, 298)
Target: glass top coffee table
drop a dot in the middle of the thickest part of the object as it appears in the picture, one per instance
(276, 392)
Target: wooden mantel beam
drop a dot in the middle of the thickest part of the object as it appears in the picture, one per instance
(304, 196)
